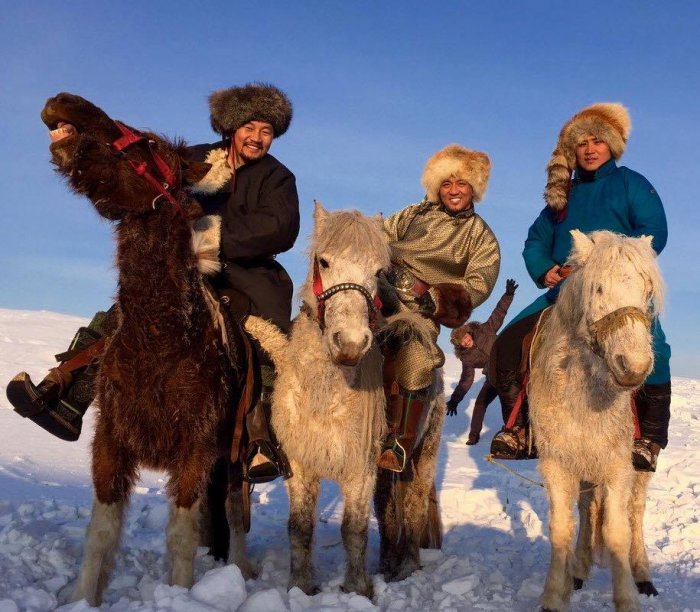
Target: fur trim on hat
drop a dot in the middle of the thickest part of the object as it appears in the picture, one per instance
(460, 162)
(233, 107)
(608, 121)
(459, 333)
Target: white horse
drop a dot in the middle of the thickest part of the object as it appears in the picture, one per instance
(594, 350)
(328, 406)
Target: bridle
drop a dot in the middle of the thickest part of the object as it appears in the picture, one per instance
(166, 180)
(374, 304)
(611, 322)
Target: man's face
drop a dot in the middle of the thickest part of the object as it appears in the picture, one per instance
(252, 140)
(467, 341)
(592, 153)
(456, 194)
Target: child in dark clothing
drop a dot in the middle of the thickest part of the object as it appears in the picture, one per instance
(473, 343)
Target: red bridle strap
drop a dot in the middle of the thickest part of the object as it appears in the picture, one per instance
(169, 181)
(373, 304)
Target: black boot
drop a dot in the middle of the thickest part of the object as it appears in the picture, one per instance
(59, 401)
(264, 459)
(653, 403)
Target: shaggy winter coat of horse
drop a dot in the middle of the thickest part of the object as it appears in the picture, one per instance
(165, 382)
(593, 350)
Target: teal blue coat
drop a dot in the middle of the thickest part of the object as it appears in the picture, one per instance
(617, 199)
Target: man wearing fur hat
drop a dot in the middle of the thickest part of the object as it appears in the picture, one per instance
(598, 196)
(473, 343)
(445, 262)
(257, 199)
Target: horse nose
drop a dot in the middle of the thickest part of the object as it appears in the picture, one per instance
(631, 372)
(348, 351)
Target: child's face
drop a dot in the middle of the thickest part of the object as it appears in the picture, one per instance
(467, 341)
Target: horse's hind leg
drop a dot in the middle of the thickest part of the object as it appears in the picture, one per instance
(182, 537)
(303, 497)
(617, 536)
(562, 489)
(416, 497)
(237, 509)
(356, 496)
(391, 541)
(113, 476)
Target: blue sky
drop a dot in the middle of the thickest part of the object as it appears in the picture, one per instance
(377, 87)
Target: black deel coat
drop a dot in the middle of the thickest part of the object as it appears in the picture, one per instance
(259, 220)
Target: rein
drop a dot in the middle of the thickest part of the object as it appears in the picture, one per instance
(613, 321)
(373, 303)
(167, 179)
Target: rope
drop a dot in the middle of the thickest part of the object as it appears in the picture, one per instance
(538, 483)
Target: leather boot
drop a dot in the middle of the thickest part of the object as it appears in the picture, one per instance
(59, 401)
(513, 442)
(653, 404)
(264, 458)
(407, 415)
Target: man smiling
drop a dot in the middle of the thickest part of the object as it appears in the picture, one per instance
(445, 262)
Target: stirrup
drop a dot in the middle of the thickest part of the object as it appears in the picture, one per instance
(393, 457)
(264, 462)
(510, 444)
(53, 414)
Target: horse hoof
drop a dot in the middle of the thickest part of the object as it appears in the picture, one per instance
(647, 588)
(366, 591)
(578, 584)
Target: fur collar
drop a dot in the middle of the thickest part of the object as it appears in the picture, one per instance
(219, 175)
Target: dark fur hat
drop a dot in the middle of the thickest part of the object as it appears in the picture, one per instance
(233, 107)
(459, 333)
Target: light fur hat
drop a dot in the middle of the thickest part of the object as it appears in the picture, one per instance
(608, 121)
(460, 162)
(233, 107)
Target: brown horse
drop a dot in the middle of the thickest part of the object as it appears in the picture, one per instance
(165, 380)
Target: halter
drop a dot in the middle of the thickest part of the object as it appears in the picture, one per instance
(613, 321)
(167, 182)
(373, 303)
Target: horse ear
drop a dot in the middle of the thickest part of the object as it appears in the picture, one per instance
(195, 172)
(320, 213)
(647, 238)
(580, 248)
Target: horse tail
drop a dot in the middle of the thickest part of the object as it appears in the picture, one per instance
(273, 341)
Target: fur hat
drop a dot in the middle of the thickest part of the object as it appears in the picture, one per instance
(233, 107)
(459, 333)
(608, 121)
(455, 160)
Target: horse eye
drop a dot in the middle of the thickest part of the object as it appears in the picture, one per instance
(378, 272)
(323, 263)
(599, 289)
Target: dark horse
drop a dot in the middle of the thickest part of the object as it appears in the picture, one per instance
(166, 381)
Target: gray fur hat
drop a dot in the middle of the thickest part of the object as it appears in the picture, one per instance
(233, 107)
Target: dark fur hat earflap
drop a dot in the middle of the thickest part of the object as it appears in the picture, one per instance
(608, 121)
(233, 107)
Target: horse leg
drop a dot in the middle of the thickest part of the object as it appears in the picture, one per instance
(236, 512)
(391, 541)
(638, 554)
(416, 498)
(589, 516)
(113, 475)
(562, 489)
(303, 497)
(357, 494)
(617, 536)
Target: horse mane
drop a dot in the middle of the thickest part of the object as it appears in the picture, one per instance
(611, 250)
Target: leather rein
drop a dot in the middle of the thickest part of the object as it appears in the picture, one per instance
(165, 182)
(374, 304)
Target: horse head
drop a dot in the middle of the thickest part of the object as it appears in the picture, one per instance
(122, 171)
(347, 253)
(616, 289)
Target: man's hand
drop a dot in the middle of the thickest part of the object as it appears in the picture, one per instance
(511, 286)
(451, 408)
(552, 277)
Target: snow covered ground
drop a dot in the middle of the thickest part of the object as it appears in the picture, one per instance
(495, 551)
